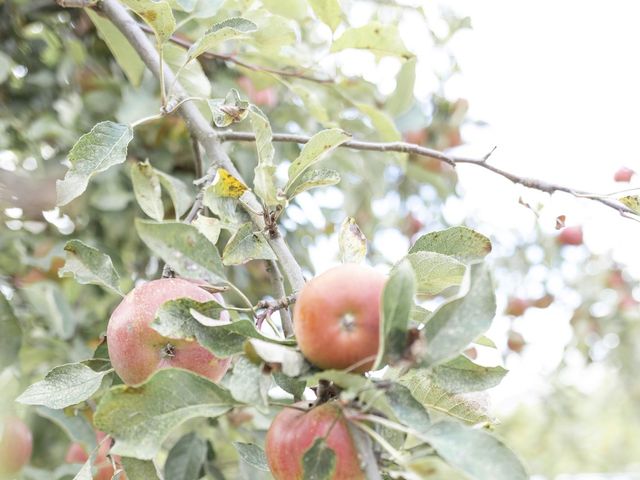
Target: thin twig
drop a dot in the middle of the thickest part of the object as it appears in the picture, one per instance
(268, 307)
(404, 147)
(250, 66)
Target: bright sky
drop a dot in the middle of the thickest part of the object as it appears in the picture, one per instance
(558, 84)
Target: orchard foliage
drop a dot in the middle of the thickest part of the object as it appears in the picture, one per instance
(104, 184)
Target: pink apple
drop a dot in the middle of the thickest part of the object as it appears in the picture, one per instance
(137, 350)
(16, 444)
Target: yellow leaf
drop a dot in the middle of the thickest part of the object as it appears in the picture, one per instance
(631, 201)
(226, 185)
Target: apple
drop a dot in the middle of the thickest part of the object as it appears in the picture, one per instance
(417, 137)
(623, 174)
(570, 236)
(515, 341)
(137, 350)
(16, 444)
(517, 306)
(102, 464)
(267, 96)
(337, 318)
(293, 432)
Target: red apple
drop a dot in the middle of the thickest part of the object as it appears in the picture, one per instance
(417, 137)
(337, 318)
(515, 342)
(16, 444)
(623, 174)
(267, 96)
(293, 432)
(517, 306)
(137, 350)
(102, 464)
(570, 236)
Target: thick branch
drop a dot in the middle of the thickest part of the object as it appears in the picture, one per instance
(201, 129)
(453, 160)
(277, 282)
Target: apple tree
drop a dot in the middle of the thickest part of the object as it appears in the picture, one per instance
(175, 172)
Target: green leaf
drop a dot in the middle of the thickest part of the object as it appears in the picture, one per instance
(382, 40)
(10, 334)
(190, 74)
(140, 418)
(77, 428)
(5, 66)
(475, 452)
(157, 14)
(209, 227)
(124, 54)
(186, 458)
(352, 242)
(318, 147)
(89, 266)
(402, 97)
(232, 28)
(407, 409)
(328, 11)
(175, 319)
(252, 455)
(461, 243)
(314, 105)
(183, 248)
(86, 471)
(273, 32)
(313, 179)
(264, 182)
(246, 245)
(461, 375)
(457, 323)
(397, 302)
(140, 469)
(290, 385)
(64, 386)
(146, 186)
(249, 384)
(319, 461)
(434, 397)
(294, 9)
(178, 191)
(230, 110)
(435, 272)
(103, 147)
(381, 122)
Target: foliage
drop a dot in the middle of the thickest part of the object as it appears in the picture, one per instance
(83, 228)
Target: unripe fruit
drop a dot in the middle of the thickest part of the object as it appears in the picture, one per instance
(570, 236)
(136, 350)
(294, 431)
(337, 318)
(16, 444)
(623, 174)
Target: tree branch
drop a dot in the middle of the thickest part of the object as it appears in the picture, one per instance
(249, 66)
(202, 130)
(452, 160)
(277, 283)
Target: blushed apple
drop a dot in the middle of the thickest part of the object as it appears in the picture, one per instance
(137, 350)
(16, 445)
(293, 432)
(337, 318)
